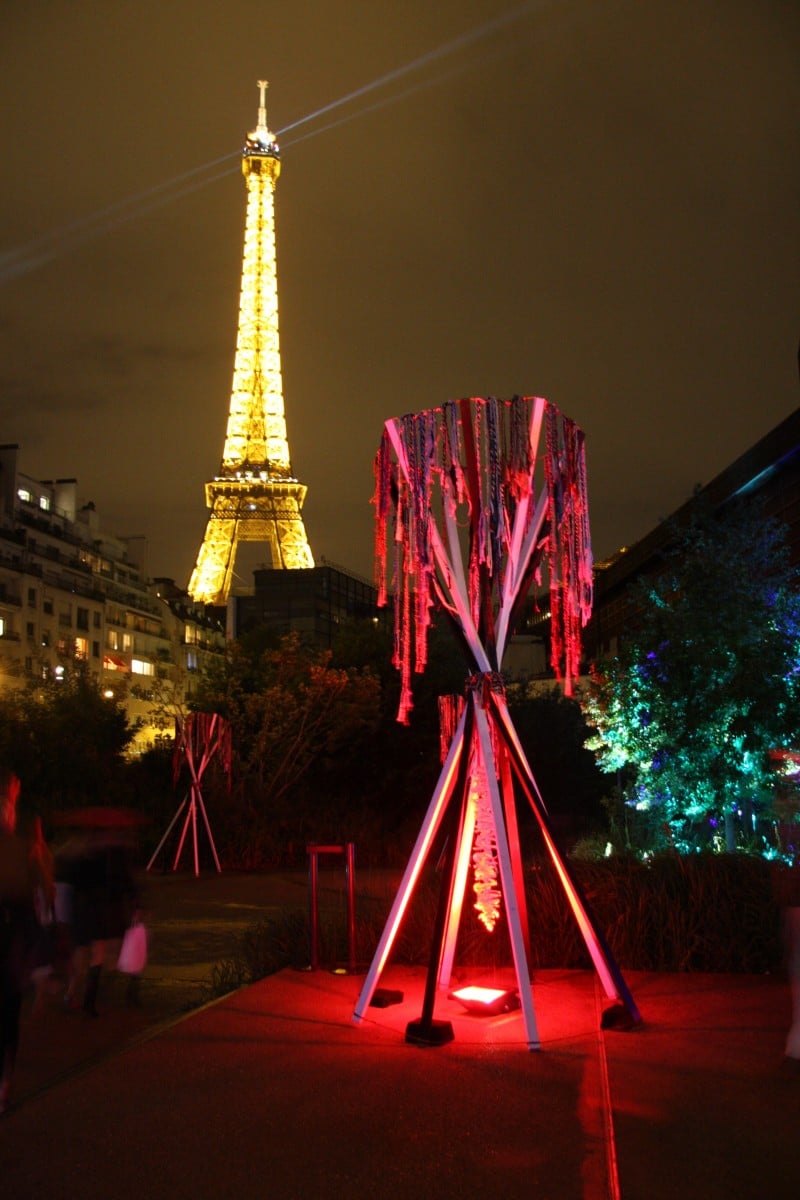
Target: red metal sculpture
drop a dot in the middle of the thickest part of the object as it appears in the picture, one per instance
(200, 738)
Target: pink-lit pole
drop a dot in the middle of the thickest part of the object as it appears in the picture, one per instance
(613, 983)
(459, 889)
(430, 826)
(515, 928)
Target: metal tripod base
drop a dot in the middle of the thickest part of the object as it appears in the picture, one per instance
(429, 1033)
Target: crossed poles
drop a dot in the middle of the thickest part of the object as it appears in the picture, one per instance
(201, 737)
(511, 532)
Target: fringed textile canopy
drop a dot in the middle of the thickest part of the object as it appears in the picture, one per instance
(471, 469)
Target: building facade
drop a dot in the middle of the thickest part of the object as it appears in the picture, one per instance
(314, 602)
(767, 474)
(70, 591)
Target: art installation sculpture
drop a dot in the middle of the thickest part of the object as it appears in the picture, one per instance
(477, 500)
(200, 738)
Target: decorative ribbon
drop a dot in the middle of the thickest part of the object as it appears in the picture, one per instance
(472, 464)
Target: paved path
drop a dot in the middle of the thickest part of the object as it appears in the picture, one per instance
(193, 924)
(274, 1092)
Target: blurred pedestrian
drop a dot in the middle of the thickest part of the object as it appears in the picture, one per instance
(68, 858)
(17, 928)
(104, 897)
(43, 954)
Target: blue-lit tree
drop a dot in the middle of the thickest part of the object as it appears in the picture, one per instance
(705, 685)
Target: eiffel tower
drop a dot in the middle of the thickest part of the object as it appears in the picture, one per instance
(255, 497)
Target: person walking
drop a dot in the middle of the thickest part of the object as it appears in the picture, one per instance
(17, 930)
(42, 867)
(104, 898)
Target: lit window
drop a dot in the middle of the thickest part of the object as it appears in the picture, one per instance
(140, 667)
(44, 502)
(127, 641)
(25, 495)
(81, 648)
(2, 627)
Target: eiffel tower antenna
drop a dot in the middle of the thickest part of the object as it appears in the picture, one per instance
(255, 497)
(262, 107)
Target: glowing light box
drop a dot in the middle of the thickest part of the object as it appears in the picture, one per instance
(486, 1001)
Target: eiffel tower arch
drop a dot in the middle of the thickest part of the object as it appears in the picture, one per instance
(255, 497)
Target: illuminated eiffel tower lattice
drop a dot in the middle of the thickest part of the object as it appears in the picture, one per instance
(255, 497)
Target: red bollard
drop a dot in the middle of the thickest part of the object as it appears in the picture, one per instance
(313, 850)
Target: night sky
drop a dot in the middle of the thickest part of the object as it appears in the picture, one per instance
(593, 201)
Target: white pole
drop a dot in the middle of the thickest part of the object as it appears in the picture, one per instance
(433, 818)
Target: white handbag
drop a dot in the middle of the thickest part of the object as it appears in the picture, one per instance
(133, 951)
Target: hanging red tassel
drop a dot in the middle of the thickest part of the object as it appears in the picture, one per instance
(480, 459)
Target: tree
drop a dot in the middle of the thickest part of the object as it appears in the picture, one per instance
(393, 776)
(706, 684)
(288, 707)
(552, 730)
(66, 741)
(167, 703)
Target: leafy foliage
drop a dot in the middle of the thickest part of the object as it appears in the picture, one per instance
(553, 732)
(288, 708)
(706, 683)
(65, 741)
(377, 797)
(166, 700)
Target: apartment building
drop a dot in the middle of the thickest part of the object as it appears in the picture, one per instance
(70, 591)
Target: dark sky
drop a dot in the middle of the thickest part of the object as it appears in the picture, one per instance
(592, 201)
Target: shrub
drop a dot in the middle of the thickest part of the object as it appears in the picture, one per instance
(704, 912)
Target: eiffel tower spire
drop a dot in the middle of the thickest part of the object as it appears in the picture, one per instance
(255, 497)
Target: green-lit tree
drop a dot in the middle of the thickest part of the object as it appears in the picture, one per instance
(705, 684)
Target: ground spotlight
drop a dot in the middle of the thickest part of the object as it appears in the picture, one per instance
(487, 1002)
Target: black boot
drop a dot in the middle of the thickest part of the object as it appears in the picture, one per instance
(90, 994)
(132, 997)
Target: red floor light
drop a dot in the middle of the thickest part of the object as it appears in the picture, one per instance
(487, 1002)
